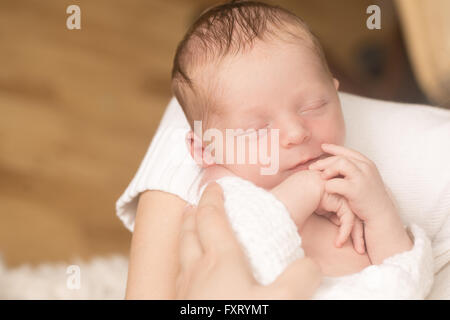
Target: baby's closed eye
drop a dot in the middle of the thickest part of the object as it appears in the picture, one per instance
(317, 106)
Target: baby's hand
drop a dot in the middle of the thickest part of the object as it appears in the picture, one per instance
(300, 193)
(351, 175)
(356, 178)
(337, 210)
(303, 194)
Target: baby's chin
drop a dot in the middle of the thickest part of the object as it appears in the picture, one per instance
(269, 181)
(256, 176)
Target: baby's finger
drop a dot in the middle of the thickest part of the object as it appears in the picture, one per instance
(329, 204)
(358, 236)
(334, 218)
(336, 166)
(322, 163)
(343, 151)
(339, 186)
(330, 216)
(347, 221)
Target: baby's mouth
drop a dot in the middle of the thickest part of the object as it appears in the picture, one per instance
(304, 165)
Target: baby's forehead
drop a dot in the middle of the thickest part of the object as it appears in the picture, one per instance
(265, 67)
(262, 55)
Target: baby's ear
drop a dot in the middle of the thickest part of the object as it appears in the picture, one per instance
(197, 151)
(336, 83)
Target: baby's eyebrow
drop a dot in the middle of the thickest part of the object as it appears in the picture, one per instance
(252, 123)
(243, 120)
(253, 108)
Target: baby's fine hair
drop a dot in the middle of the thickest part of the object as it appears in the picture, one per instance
(230, 29)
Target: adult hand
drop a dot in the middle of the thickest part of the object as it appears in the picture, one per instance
(213, 265)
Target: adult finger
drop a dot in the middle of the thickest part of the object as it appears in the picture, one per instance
(188, 221)
(213, 227)
(190, 250)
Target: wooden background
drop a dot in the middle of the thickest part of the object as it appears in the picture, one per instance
(78, 108)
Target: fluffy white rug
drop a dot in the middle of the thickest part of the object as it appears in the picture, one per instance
(100, 278)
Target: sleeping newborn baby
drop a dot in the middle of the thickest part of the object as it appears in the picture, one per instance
(257, 70)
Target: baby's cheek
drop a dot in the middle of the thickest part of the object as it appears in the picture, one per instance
(331, 130)
(337, 125)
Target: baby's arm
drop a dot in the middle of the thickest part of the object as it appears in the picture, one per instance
(385, 235)
(301, 194)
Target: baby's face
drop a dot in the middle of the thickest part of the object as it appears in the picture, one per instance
(285, 87)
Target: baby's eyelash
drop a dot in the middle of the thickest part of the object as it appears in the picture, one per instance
(257, 130)
(315, 107)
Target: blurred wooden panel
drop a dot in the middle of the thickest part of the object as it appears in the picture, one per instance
(78, 109)
(426, 25)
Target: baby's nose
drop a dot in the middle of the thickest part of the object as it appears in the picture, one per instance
(293, 133)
